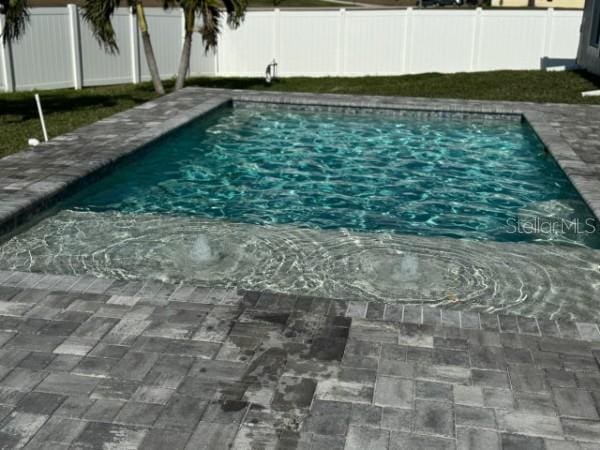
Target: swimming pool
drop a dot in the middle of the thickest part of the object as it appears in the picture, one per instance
(363, 203)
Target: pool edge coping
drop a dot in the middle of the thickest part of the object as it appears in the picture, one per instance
(35, 201)
(39, 194)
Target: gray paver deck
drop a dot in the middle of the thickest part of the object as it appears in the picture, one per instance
(299, 373)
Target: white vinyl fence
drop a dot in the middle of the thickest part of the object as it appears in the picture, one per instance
(58, 49)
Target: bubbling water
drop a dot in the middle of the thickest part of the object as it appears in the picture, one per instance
(543, 280)
(201, 251)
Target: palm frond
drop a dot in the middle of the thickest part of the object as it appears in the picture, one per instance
(98, 14)
(16, 16)
(211, 17)
(211, 12)
(236, 9)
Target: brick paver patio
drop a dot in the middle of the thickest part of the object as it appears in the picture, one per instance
(97, 363)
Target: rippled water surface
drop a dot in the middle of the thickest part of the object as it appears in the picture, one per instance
(330, 170)
(372, 206)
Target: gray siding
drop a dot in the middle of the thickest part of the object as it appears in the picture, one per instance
(588, 55)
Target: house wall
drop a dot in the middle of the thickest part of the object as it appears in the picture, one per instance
(589, 55)
(567, 4)
(510, 3)
(58, 49)
(571, 4)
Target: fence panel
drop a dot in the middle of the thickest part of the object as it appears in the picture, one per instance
(565, 34)
(308, 43)
(304, 42)
(41, 59)
(512, 40)
(366, 30)
(441, 41)
(166, 33)
(100, 67)
(247, 50)
(4, 68)
(202, 63)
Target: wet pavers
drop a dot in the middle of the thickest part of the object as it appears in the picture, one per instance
(96, 363)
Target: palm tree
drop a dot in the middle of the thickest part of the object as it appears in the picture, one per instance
(211, 15)
(98, 14)
(16, 15)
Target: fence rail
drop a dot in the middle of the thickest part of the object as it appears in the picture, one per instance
(58, 49)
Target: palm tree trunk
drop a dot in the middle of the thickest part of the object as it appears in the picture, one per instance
(184, 61)
(150, 59)
(186, 51)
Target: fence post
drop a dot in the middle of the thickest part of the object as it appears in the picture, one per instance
(476, 41)
(6, 62)
(216, 58)
(276, 36)
(75, 37)
(341, 47)
(547, 44)
(407, 41)
(136, 75)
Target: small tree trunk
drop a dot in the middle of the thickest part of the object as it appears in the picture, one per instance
(150, 59)
(186, 51)
(184, 61)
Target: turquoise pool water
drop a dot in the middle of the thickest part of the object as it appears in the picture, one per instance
(364, 205)
(330, 170)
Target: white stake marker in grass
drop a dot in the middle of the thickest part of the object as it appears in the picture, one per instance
(41, 114)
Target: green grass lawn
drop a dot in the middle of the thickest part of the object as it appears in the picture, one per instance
(67, 109)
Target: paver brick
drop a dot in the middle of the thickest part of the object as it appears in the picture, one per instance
(328, 418)
(360, 438)
(535, 403)
(434, 418)
(394, 392)
(366, 415)
(402, 440)
(468, 395)
(23, 379)
(520, 442)
(39, 403)
(110, 436)
(58, 430)
(529, 424)
(490, 378)
(139, 414)
(134, 365)
(581, 429)
(524, 377)
(477, 439)
(19, 427)
(157, 439)
(471, 416)
(430, 390)
(182, 412)
(575, 403)
(68, 384)
(103, 410)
